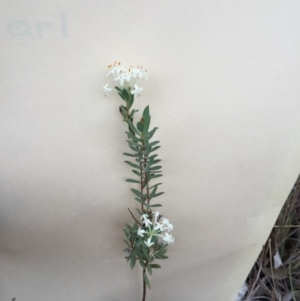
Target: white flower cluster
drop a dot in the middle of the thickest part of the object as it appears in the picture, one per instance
(126, 78)
(156, 227)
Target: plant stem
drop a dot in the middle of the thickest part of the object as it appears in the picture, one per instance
(144, 286)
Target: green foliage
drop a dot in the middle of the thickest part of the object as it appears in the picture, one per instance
(144, 163)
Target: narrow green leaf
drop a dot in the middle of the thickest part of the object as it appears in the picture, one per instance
(137, 173)
(155, 167)
(155, 266)
(145, 253)
(132, 113)
(139, 211)
(132, 127)
(152, 162)
(132, 262)
(152, 143)
(125, 94)
(147, 281)
(154, 176)
(118, 89)
(140, 201)
(128, 227)
(147, 124)
(142, 263)
(155, 185)
(138, 193)
(133, 165)
(130, 155)
(140, 126)
(149, 269)
(131, 136)
(132, 181)
(130, 100)
(132, 143)
(152, 157)
(154, 149)
(127, 243)
(146, 113)
(151, 133)
(121, 95)
(156, 205)
(156, 195)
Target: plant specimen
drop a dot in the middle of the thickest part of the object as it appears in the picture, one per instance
(148, 238)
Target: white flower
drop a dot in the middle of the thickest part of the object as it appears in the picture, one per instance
(141, 232)
(116, 71)
(166, 225)
(106, 90)
(168, 238)
(136, 90)
(148, 243)
(144, 216)
(147, 222)
(127, 79)
(151, 253)
(158, 227)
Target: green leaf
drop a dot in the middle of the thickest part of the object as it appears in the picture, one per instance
(145, 253)
(155, 185)
(133, 165)
(155, 167)
(147, 124)
(146, 113)
(140, 201)
(127, 243)
(135, 227)
(132, 181)
(132, 127)
(154, 149)
(152, 143)
(125, 94)
(132, 143)
(155, 266)
(130, 100)
(139, 211)
(149, 269)
(130, 155)
(137, 193)
(156, 195)
(140, 126)
(154, 176)
(142, 263)
(147, 280)
(156, 205)
(131, 136)
(151, 133)
(152, 162)
(128, 227)
(132, 113)
(118, 89)
(137, 173)
(132, 262)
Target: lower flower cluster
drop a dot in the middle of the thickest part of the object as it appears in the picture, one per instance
(150, 240)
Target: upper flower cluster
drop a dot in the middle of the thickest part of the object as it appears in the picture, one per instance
(156, 227)
(126, 78)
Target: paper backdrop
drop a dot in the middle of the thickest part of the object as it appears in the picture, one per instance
(223, 88)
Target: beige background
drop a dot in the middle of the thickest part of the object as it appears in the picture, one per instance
(224, 91)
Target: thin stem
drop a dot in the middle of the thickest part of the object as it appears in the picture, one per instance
(142, 183)
(144, 286)
(134, 217)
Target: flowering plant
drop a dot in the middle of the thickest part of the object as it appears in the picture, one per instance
(149, 236)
